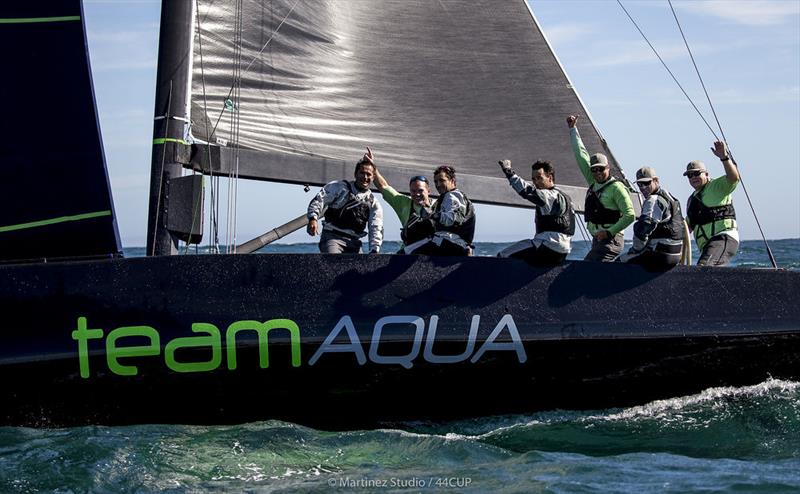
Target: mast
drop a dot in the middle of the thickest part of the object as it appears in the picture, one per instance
(170, 149)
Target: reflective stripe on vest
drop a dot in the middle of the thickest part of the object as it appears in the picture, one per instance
(672, 229)
(564, 222)
(353, 215)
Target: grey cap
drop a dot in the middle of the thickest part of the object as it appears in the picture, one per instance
(695, 166)
(646, 174)
(598, 159)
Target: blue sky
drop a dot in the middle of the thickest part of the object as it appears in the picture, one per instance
(748, 53)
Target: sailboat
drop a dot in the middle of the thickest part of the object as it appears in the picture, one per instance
(291, 91)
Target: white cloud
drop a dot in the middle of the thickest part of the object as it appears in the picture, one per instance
(117, 2)
(143, 35)
(764, 96)
(627, 53)
(728, 96)
(750, 13)
(125, 182)
(126, 50)
(567, 32)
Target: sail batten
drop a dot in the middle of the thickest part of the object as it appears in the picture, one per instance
(422, 83)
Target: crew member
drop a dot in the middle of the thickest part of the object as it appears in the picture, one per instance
(415, 212)
(608, 209)
(454, 220)
(658, 232)
(710, 212)
(348, 208)
(555, 218)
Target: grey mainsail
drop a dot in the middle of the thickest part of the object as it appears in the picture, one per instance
(293, 90)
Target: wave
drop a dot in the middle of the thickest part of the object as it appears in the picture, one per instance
(751, 422)
(743, 436)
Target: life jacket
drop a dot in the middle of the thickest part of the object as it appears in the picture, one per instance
(465, 229)
(560, 223)
(595, 212)
(418, 227)
(698, 213)
(672, 229)
(353, 215)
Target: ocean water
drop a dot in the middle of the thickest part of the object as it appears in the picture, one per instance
(737, 440)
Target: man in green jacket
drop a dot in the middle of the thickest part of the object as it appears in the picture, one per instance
(413, 212)
(608, 209)
(710, 212)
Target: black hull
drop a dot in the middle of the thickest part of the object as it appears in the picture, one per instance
(591, 336)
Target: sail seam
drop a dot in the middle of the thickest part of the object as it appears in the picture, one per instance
(33, 20)
(60, 219)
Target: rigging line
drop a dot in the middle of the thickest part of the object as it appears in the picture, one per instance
(213, 227)
(582, 228)
(703, 118)
(217, 206)
(161, 172)
(232, 136)
(258, 55)
(238, 127)
(696, 69)
(196, 201)
(235, 129)
(722, 132)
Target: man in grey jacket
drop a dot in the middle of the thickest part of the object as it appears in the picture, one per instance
(658, 232)
(453, 217)
(555, 218)
(348, 209)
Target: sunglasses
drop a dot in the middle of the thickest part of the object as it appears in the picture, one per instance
(420, 178)
(599, 169)
(693, 174)
(643, 184)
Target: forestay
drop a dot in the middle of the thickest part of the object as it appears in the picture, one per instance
(422, 83)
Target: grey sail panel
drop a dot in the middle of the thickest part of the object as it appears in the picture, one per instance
(422, 83)
(55, 200)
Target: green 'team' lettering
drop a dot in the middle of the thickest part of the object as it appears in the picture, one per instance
(82, 335)
(262, 329)
(212, 340)
(113, 352)
(207, 337)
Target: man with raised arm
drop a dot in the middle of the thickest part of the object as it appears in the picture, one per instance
(348, 208)
(710, 212)
(415, 212)
(658, 232)
(555, 218)
(454, 219)
(608, 209)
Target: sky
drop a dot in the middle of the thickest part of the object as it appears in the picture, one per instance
(748, 53)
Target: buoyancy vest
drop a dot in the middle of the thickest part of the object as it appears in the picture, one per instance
(564, 222)
(418, 226)
(698, 213)
(465, 229)
(672, 229)
(595, 212)
(353, 215)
